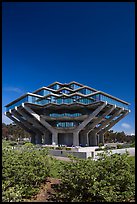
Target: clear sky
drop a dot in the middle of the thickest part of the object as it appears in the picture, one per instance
(91, 43)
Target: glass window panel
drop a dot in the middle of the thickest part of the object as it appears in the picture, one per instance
(74, 86)
(40, 93)
(23, 100)
(55, 86)
(46, 92)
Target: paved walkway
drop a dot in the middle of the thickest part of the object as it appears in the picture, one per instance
(62, 158)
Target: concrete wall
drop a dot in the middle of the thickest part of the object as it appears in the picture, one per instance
(89, 152)
(87, 149)
(131, 151)
(64, 153)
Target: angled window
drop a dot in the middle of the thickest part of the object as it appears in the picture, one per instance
(55, 86)
(74, 86)
(65, 91)
(85, 91)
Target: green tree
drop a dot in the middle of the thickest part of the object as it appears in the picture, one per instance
(5, 132)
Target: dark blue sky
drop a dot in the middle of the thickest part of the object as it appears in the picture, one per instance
(91, 43)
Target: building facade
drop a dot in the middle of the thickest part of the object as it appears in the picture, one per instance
(67, 114)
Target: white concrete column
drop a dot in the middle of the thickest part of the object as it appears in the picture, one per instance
(44, 138)
(100, 118)
(75, 138)
(29, 119)
(25, 122)
(38, 118)
(107, 121)
(87, 139)
(90, 117)
(55, 138)
(18, 122)
(113, 122)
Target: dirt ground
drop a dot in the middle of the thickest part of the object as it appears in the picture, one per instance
(46, 191)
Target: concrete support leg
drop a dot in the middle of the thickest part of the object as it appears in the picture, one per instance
(97, 136)
(76, 139)
(55, 138)
(33, 141)
(87, 139)
(113, 122)
(45, 139)
(90, 118)
(108, 121)
(38, 139)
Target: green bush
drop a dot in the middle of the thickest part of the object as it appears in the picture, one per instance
(109, 147)
(23, 170)
(99, 149)
(68, 148)
(100, 144)
(12, 143)
(119, 146)
(132, 145)
(60, 148)
(51, 147)
(109, 179)
(22, 142)
(28, 144)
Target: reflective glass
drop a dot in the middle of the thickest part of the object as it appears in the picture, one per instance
(74, 86)
(85, 91)
(74, 99)
(18, 103)
(40, 93)
(65, 124)
(65, 114)
(55, 86)
(46, 92)
(113, 101)
(65, 91)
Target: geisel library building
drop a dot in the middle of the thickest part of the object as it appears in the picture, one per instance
(67, 114)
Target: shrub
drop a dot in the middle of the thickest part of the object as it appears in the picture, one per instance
(28, 144)
(109, 147)
(119, 146)
(51, 147)
(22, 142)
(99, 149)
(23, 170)
(132, 145)
(100, 144)
(67, 148)
(12, 143)
(60, 148)
(109, 179)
